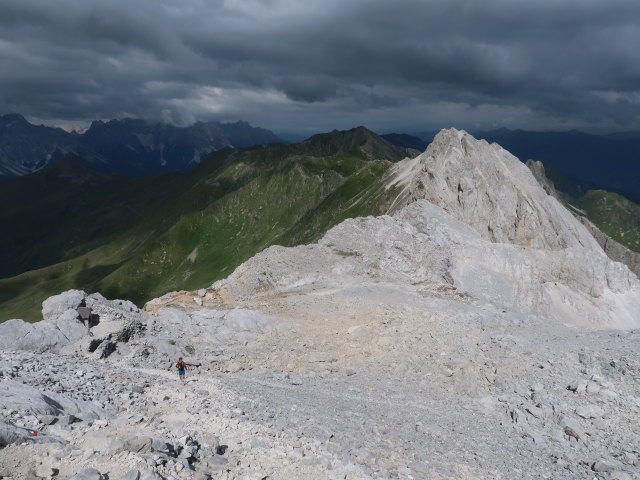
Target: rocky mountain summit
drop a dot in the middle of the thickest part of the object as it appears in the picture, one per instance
(487, 188)
(476, 331)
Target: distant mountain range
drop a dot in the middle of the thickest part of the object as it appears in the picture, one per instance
(129, 147)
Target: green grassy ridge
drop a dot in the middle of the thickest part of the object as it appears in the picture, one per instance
(613, 214)
(361, 195)
(207, 245)
(184, 231)
(56, 220)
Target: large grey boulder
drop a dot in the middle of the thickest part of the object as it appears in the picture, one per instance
(60, 326)
(89, 474)
(61, 330)
(51, 335)
(56, 305)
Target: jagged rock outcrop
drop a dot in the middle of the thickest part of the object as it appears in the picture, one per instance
(537, 168)
(46, 336)
(111, 321)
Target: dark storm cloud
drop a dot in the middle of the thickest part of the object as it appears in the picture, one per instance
(287, 64)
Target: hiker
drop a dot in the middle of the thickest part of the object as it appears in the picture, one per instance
(182, 367)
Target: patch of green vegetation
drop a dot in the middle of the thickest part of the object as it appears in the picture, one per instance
(360, 195)
(171, 342)
(190, 349)
(616, 216)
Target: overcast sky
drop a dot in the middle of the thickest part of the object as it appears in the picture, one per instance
(308, 66)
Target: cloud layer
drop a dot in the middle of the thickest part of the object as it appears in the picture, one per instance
(294, 65)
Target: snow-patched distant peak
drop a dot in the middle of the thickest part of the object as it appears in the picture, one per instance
(489, 189)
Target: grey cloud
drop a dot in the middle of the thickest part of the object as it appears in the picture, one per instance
(341, 63)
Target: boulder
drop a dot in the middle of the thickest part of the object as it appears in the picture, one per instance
(56, 305)
(139, 444)
(603, 466)
(47, 336)
(148, 474)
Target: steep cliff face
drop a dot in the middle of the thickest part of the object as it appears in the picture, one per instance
(614, 250)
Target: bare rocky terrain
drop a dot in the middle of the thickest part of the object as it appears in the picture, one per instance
(478, 331)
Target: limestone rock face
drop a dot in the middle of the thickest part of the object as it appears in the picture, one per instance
(16, 395)
(10, 433)
(490, 190)
(537, 168)
(61, 331)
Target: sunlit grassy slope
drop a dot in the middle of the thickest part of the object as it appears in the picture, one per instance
(616, 216)
(139, 238)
